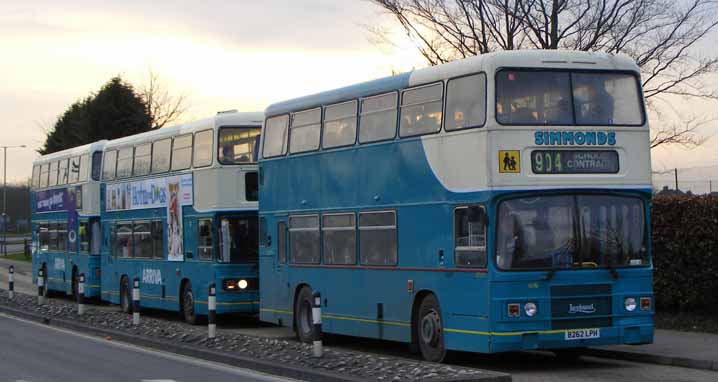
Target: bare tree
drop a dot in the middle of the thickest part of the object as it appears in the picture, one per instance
(661, 35)
(163, 107)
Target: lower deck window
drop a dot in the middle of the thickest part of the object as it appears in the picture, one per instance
(339, 238)
(470, 236)
(204, 239)
(242, 241)
(142, 239)
(304, 239)
(377, 238)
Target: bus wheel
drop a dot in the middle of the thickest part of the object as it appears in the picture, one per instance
(430, 330)
(125, 297)
(190, 316)
(303, 315)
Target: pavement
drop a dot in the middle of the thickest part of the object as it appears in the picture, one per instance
(33, 352)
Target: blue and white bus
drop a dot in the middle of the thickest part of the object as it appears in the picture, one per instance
(491, 204)
(65, 205)
(179, 212)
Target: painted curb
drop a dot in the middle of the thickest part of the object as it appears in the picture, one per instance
(256, 364)
(657, 359)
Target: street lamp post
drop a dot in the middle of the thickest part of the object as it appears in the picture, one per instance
(4, 194)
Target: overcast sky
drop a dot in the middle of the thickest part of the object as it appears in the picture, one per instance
(230, 54)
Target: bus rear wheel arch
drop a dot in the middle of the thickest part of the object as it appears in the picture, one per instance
(303, 320)
(427, 328)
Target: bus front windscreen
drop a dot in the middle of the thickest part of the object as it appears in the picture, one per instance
(542, 97)
(238, 145)
(571, 231)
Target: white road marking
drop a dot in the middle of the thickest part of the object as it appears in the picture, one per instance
(167, 355)
(157, 380)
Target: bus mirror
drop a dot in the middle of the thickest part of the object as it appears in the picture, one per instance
(225, 241)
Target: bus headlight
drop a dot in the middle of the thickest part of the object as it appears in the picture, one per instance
(242, 284)
(630, 304)
(530, 309)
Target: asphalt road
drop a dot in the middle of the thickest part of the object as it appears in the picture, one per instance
(36, 353)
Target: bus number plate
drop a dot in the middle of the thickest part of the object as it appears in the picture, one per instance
(574, 161)
(582, 334)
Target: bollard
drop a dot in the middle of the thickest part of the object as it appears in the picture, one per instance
(212, 311)
(11, 283)
(81, 295)
(318, 349)
(136, 301)
(40, 287)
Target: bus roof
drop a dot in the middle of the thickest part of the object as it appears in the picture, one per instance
(68, 153)
(219, 120)
(489, 63)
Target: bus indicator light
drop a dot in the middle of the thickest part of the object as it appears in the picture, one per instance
(410, 286)
(514, 310)
(645, 303)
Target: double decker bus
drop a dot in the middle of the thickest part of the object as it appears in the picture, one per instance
(491, 204)
(179, 212)
(66, 228)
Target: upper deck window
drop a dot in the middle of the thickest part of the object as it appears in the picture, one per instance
(36, 176)
(421, 110)
(275, 136)
(534, 97)
(96, 166)
(203, 148)
(466, 102)
(238, 145)
(161, 154)
(53, 174)
(143, 159)
(340, 124)
(124, 162)
(182, 152)
(304, 131)
(377, 119)
(74, 170)
(62, 172)
(44, 172)
(109, 165)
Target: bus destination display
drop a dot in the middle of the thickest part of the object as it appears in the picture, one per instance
(574, 161)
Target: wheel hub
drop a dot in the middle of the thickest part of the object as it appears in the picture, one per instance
(431, 328)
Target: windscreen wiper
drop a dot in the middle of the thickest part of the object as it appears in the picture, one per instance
(611, 269)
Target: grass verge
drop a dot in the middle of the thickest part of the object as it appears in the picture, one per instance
(17, 257)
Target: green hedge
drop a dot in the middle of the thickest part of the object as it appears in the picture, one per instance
(685, 252)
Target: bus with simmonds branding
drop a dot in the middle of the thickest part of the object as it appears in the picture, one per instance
(179, 212)
(491, 204)
(66, 228)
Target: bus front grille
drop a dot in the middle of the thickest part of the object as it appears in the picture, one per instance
(581, 306)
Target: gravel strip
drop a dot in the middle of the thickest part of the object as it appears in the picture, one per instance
(356, 364)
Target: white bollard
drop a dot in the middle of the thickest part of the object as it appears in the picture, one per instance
(11, 282)
(81, 295)
(40, 287)
(212, 311)
(136, 301)
(318, 346)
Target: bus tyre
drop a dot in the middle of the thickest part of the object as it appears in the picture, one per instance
(430, 331)
(190, 316)
(303, 316)
(125, 296)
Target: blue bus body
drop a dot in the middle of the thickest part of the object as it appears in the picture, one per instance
(423, 182)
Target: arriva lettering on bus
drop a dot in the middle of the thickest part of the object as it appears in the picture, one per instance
(578, 138)
(152, 276)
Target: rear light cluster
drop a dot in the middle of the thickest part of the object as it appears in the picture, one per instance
(514, 309)
(645, 304)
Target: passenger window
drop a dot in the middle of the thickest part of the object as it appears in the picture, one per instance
(275, 136)
(143, 159)
(161, 153)
(84, 235)
(44, 172)
(62, 172)
(43, 235)
(466, 102)
(124, 162)
(377, 238)
(282, 242)
(158, 240)
(470, 236)
(182, 152)
(53, 174)
(142, 240)
(339, 238)
(304, 239)
(340, 125)
(204, 239)
(377, 119)
(238, 145)
(83, 167)
(96, 166)
(35, 176)
(74, 170)
(109, 165)
(304, 131)
(203, 148)
(123, 240)
(421, 110)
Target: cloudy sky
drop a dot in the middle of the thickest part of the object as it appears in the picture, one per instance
(230, 54)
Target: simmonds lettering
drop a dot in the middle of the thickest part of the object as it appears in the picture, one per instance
(580, 308)
(578, 138)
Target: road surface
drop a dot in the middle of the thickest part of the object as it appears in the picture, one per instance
(36, 353)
